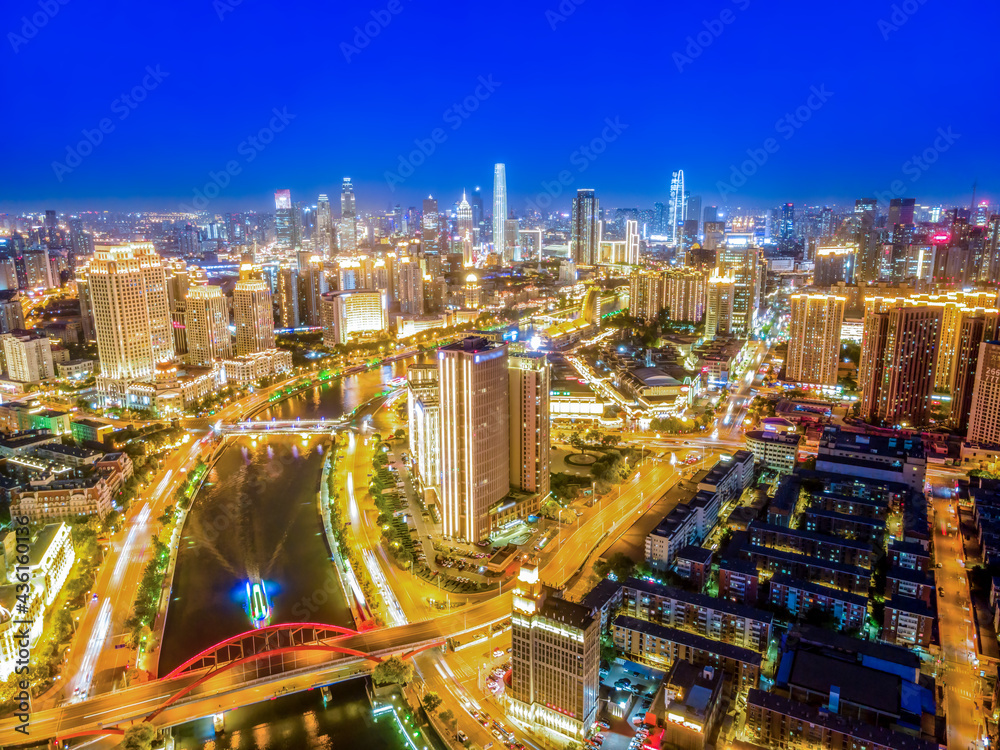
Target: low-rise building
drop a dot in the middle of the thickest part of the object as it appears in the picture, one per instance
(25, 443)
(719, 619)
(695, 564)
(916, 584)
(75, 369)
(739, 581)
(250, 368)
(86, 430)
(838, 575)
(775, 721)
(45, 501)
(692, 705)
(908, 622)
(912, 555)
(776, 451)
(660, 646)
(19, 416)
(889, 458)
(68, 455)
(809, 543)
(117, 469)
(799, 597)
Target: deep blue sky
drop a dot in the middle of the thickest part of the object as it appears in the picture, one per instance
(938, 69)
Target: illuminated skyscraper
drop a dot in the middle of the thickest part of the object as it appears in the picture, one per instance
(528, 391)
(324, 226)
(632, 242)
(430, 229)
(473, 436)
(976, 326)
(585, 229)
(284, 225)
(288, 297)
(899, 357)
(984, 416)
(206, 320)
(128, 293)
(833, 265)
(465, 230)
(499, 207)
(555, 658)
(720, 294)
(814, 338)
(253, 315)
(347, 314)
(348, 234)
(677, 210)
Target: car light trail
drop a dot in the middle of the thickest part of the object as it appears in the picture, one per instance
(391, 603)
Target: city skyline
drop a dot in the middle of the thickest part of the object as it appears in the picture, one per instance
(833, 71)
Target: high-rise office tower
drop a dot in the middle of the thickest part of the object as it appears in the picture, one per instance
(478, 215)
(424, 422)
(324, 226)
(814, 338)
(410, 286)
(499, 207)
(632, 242)
(555, 658)
(528, 422)
(12, 312)
(253, 315)
(474, 443)
(128, 291)
(677, 212)
(833, 265)
(206, 320)
(466, 230)
(742, 263)
(899, 223)
(899, 358)
(659, 224)
(693, 213)
(720, 294)
(984, 416)
(312, 286)
(867, 240)
(585, 229)
(711, 214)
(348, 230)
(284, 224)
(976, 326)
(430, 228)
(786, 229)
(512, 250)
(289, 315)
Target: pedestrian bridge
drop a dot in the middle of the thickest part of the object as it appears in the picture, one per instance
(289, 426)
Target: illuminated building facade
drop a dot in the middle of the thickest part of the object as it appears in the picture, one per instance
(499, 207)
(128, 294)
(814, 338)
(206, 319)
(349, 313)
(585, 229)
(253, 316)
(555, 659)
(528, 393)
(472, 376)
(720, 294)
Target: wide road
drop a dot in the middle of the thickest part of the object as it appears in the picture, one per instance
(231, 689)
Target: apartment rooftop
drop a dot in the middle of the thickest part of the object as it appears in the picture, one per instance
(726, 650)
(698, 600)
(885, 446)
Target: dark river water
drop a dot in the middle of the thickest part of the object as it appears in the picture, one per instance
(257, 516)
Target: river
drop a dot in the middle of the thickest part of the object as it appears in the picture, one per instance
(257, 515)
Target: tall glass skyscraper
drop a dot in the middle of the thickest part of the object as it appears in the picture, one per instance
(585, 229)
(499, 207)
(348, 218)
(465, 230)
(677, 212)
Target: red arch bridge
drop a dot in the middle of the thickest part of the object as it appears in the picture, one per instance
(259, 655)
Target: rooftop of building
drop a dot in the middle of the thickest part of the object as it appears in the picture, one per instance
(92, 423)
(698, 600)
(910, 606)
(694, 688)
(471, 345)
(909, 548)
(814, 562)
(910, 575)
(770, 436)
(837, 723)
(836, 541)
(835, 438)
(27, 438)
(695, 554)
(858, 684)
(598, 597)
(564, 611)
(875, 523)
(783, 579)
(69, 450)
(42, 541)
(726, 650)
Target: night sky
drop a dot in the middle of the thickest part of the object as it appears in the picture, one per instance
(684, 85)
